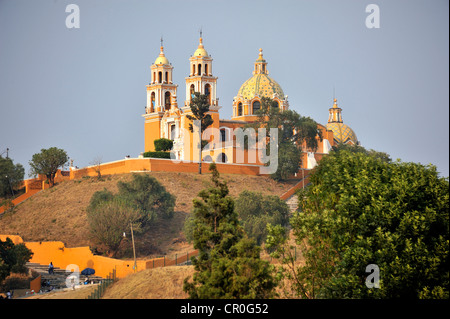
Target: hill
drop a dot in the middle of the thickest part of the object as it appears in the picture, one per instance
(59, 213)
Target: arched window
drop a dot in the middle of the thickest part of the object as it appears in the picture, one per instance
(166, 80)
(208, 92)
(275, 104)
(167, 101)
(192, 90)
(172, 132)
(256, 106)
(222, 158)
(154, 77)
(240, 109)
(207, 158)
(193, 69)
(223, 135)
(152, 102)
(199, 69)
(159, 77)
(206, 69)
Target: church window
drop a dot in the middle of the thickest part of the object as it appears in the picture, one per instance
(192, 90)
(193, 69)
(208, 92)
(172, 132)
(240, 109)
(222, 158)
(152, 102)
(159, 77)
(206, 69)
(223, 135)
(199, 69)
(166, 80)
(256, 106)
(167, 101)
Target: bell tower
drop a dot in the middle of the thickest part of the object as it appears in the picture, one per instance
(161, 100)
(200, 77)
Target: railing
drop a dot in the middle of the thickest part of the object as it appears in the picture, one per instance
(101, 288)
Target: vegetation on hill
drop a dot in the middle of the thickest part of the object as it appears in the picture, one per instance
(60, 213)
(47, 163)
(139, 203)
(228, 264)
(369, 228)
(11, 175)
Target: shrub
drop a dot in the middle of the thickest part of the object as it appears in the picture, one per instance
(157, 154)
(163, 144)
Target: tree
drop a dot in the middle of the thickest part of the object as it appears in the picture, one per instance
(294, 131)
(13, 258)
(47, 163)
(362, 210)
(149, 196)
(163, 144)
(199, 105)
(109, 220)
(228, 263)
(10, 176)
(256, 211)
(140, 202)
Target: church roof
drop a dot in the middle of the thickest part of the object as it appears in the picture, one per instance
(260, 83)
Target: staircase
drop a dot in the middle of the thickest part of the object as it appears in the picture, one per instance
(292, 202)
(57, 280)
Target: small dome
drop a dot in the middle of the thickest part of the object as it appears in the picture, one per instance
(161, 59)
(342, 133)
(200, 50)
(261, 85)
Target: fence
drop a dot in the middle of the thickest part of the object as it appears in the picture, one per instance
(163, 261)
(100, 290)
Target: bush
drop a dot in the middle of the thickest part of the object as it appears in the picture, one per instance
(163, 144)
(256, 211)
(157, 154)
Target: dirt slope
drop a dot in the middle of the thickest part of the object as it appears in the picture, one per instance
(59, 213)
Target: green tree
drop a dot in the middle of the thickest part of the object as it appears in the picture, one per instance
(361, 209)
(13, 258)
(47, 163)
(109, 220)
(294, 132)
(199, 105)
(10, 176)
(149, 196)
(140, 201)
(228, 264)
(256, 211)
(163, 144)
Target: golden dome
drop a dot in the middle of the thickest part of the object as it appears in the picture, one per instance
(260, 83)
(200, 50)
(342, 133)
(161, 59)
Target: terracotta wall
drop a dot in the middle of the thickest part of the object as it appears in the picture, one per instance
(62, 257)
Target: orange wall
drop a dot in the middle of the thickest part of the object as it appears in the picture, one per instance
(61, 257)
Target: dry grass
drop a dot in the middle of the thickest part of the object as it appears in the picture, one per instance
(157, 283)
(59, 213)
(80, 293)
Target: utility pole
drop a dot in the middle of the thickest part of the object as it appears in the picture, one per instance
(134, 249)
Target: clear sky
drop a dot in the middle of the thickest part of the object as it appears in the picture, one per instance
(84, 90)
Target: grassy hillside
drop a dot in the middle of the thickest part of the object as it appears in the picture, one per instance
(59, 213)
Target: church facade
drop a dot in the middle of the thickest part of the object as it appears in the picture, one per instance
(165, 117)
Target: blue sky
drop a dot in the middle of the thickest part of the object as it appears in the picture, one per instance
(83, 90)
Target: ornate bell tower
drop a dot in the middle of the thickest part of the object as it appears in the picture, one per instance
(201, 78)
(161, 101)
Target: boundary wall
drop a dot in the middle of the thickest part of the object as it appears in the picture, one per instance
(62, 257)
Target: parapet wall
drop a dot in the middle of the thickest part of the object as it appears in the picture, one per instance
(62, 257)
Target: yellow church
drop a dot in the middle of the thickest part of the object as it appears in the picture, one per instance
(166, 118)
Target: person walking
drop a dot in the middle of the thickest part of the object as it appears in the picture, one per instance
(50, 268)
